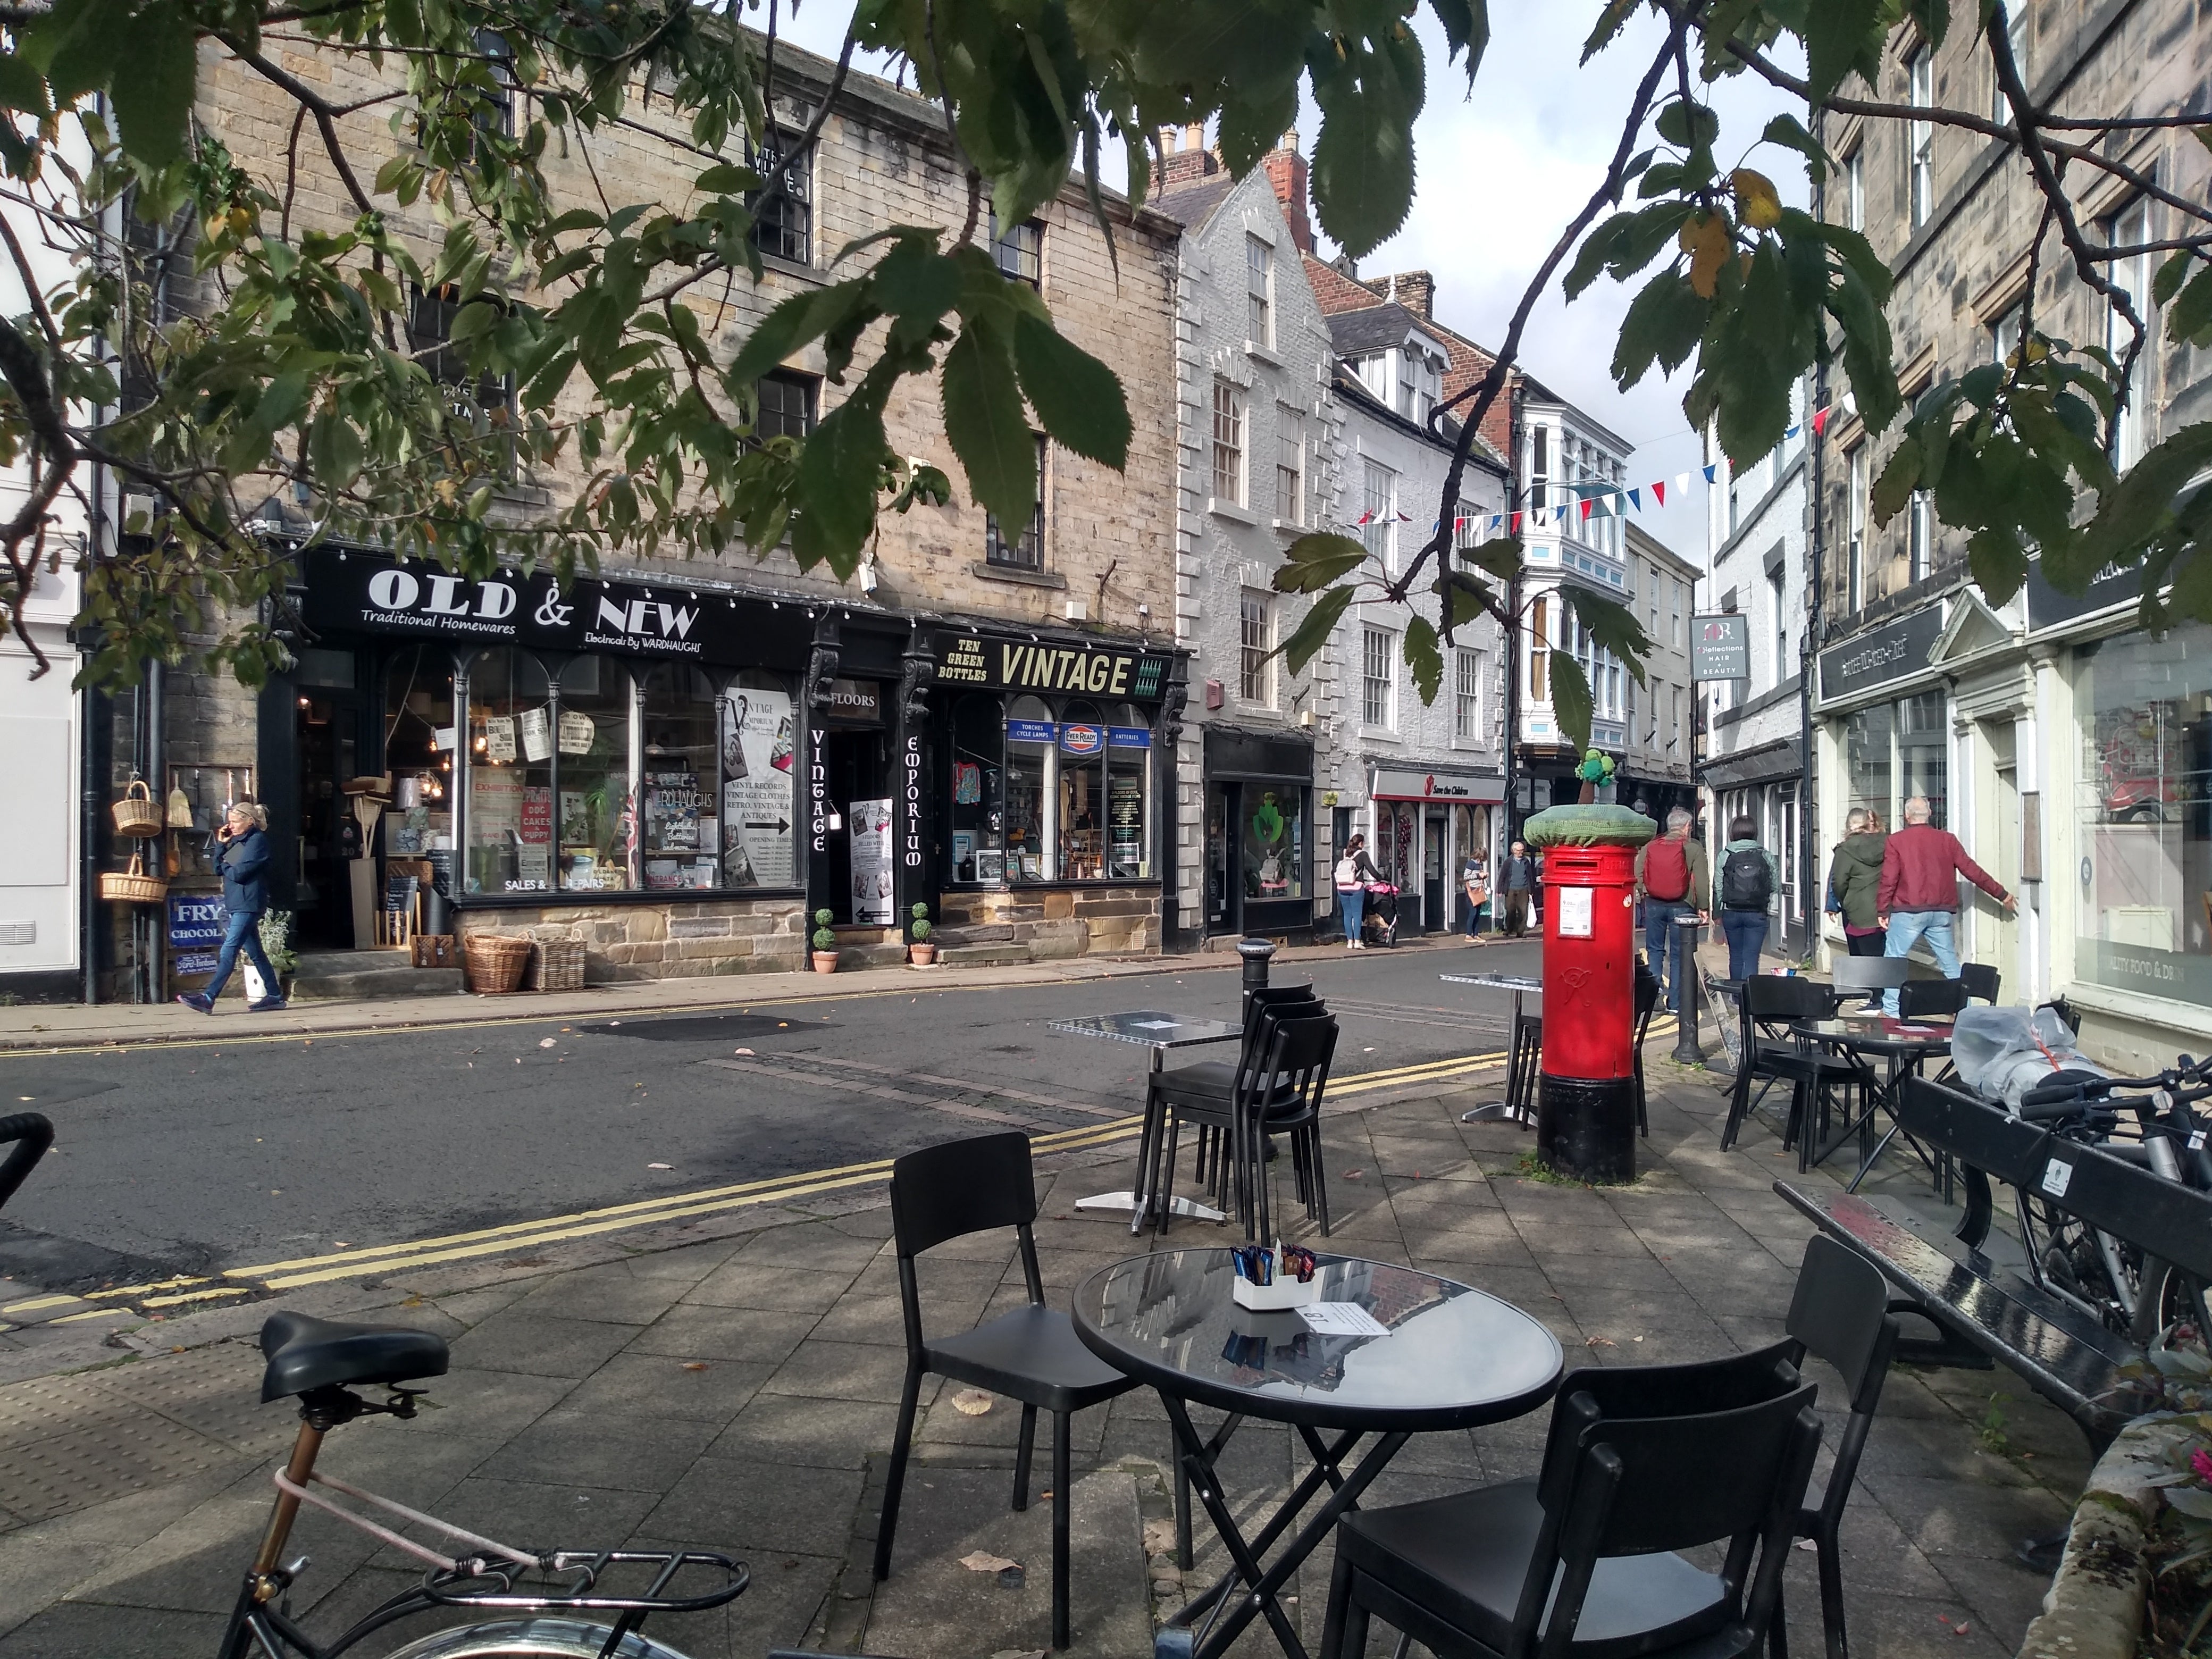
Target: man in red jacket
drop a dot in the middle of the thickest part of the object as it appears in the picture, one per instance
(1918, 897)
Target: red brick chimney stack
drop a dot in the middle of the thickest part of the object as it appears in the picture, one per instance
(1416, 290)
(1286, 172)
(1184, 158)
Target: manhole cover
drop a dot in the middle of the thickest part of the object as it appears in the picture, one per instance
(704, 1028)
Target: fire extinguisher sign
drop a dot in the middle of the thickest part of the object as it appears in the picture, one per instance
(1574, 913)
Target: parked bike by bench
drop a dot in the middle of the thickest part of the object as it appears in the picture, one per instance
(321, 1363)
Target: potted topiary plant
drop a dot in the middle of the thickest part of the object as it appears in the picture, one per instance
(825, 943)
(922, 953)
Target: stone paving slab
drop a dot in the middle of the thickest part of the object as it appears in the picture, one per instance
(737, 1393)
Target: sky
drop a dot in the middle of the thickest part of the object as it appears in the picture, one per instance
(1501, 169)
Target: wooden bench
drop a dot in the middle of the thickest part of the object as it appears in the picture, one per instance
(1987, 1310)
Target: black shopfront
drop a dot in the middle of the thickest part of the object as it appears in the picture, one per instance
(623, 742)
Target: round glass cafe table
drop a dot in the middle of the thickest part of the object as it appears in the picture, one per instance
(1448, 1357)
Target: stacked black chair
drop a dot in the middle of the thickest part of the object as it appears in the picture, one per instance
(1771, 1002)
(1202, 1093)
(1583, 1559)
(1840, 1314)
(1918, 999)
(1031, 1355)
(1280, 1079)
(1873, 975)
(1980, 980)
(1524, 1061)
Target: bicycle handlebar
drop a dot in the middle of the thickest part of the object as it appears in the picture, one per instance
(33, 1134)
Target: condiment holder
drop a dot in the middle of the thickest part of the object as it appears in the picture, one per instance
(1268, 1279)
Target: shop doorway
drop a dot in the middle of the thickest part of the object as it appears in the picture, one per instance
(1433, 914)
(858, 763)
(1996, 930)
(328, 722)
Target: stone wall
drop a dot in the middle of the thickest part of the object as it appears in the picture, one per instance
(675, 940)
(1032, 926)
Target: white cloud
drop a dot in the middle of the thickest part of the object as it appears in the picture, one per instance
(1503, 169)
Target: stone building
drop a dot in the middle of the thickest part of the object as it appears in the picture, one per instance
(1657, 755)
(1753, 763)
(2064, 747)
(675, 761)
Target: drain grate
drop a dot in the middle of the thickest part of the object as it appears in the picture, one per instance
(706, 1028)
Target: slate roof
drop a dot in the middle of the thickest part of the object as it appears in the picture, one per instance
(1375, 328)
(1194, 205)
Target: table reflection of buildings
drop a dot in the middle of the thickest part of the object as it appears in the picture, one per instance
(1175, 1302)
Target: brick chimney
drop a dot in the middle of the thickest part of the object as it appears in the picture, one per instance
(1184, 158)
(1416, 290)
(1286, 172)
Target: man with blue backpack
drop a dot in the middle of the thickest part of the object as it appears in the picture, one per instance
(1674, 879)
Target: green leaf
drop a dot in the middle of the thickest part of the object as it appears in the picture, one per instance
(985, 423)
(1079, 398)
(1571, 698)
(2189, 317)
(1897, 483)
(21, 86)
(1312, 633)
(1687, 124)
(1787, 131)
(839, 471)
(1662, 324)
(1466, 598)
(1466, 29)
(728, 179)
(1313, 561)
(2128, 513)
(797, 322)
(1610, 22)
(1424, 658)
(2171, 275)
(1612, 624)
(1840, 36)
(153, 101)
(1501, 557)
(1363, 170)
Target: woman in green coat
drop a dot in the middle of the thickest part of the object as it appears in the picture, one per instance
(1854, 874)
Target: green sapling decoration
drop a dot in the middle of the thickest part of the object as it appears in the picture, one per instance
(919, 928)
(825, 940)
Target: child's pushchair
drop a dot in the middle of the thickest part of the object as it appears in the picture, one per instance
(1380, 926)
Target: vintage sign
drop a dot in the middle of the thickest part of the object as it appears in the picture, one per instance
(1078, 739)
(1720, 647)
(1043, 666)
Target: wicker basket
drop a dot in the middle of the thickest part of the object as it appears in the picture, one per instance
(137, 813)
(496, 963)
(134, 885)
(557, 964)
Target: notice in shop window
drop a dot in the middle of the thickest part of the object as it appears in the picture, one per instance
(759, 786)
(577, 732)
(1125, 815)
(494, 807)
(869, 824)
(499, 740)
(671, 812)
(536, 735)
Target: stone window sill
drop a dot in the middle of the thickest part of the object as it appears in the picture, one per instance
(1231, 511)
(1015, 574)
(1259, 354)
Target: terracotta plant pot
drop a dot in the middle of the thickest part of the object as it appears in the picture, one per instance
(921, 955)
(825, 962)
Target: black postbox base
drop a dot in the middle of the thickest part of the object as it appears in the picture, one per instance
(1586, 1130)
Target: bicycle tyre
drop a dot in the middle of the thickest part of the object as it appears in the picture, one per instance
(2171, 1304)
(531, 1637)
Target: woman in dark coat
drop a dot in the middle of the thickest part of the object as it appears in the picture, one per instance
(243, 858)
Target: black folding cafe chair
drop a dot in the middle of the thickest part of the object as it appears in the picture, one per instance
(1200, 1094)
(1031, 1355)
(1771, 1002)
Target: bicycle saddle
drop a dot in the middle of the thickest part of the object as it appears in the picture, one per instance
(305, 1352)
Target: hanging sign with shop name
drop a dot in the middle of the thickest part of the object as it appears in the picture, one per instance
(358, 591)
(1720, 647)
(1894, 651)
(1003, 664)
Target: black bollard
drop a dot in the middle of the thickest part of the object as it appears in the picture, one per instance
(1688, 1051)
(1255, 952)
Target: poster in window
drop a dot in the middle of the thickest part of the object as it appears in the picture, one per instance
(757, 785)
(870, 822)
(671, 812)
(536, 735)
(1125, 818)
(499, 739)
(495, 806)
(577, 732)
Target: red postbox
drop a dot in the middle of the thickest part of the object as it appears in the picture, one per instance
(1586, 1096)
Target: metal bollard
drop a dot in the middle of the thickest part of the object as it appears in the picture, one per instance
(1255, 952)
(1688, 1051)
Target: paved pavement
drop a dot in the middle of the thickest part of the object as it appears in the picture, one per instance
(732, 1387)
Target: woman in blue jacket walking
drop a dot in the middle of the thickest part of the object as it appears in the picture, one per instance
(244, 860)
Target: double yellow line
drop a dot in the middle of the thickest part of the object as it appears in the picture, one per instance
(522, 1236)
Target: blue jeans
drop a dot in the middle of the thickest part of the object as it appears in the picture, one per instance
(1663, 944)
(1353, 901)
(1933, 925)
(1746, 932)
(243, 932)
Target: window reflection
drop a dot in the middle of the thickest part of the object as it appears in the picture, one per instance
(598, 838)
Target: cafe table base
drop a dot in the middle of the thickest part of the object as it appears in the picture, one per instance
(1249, 1589)
(1125, 1203)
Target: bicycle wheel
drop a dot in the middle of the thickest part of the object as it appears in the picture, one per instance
(2170, 1312)
(531, 1638)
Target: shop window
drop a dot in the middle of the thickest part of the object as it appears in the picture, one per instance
(976, 849)
(1922, 755)
(598, 847)
(679, 826)
(1081, 791)
(418, 752)
(1030, 734)
(1868, 736)
(783, 210)
(510, 817)
(1028, 552)
(755, 836)
(1128, 795)
(2145, 921)
(1275, 838)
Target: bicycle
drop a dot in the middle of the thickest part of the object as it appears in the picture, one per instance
(321, 1363)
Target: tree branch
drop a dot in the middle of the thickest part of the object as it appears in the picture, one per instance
(325, 117)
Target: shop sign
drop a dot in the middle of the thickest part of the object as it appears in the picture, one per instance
(1078, 739)
(1720, 647)
(1393, 785)
(754, 834)
(1895, 651)
(359, 591)
(1028, 731)
(2047, 607)
(197, 921)
(910, 804)
(1027, 665)
(856, 702)
(1128, 737)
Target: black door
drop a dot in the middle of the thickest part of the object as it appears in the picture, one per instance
(328, 719)
(859, 765)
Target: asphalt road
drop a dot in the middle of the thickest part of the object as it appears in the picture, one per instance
(192, 1160)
